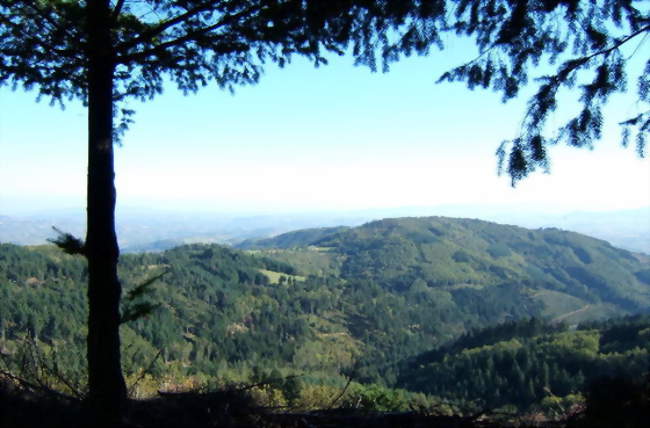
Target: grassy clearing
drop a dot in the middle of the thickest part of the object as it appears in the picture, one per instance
(274, 277)
(557, 304)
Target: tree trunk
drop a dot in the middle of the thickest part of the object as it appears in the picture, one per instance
(107, 389)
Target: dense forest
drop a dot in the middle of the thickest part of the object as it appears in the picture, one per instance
(462, 314)
(450, 259)
(531, 362)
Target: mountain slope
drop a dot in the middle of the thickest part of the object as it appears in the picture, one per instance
(572, 275)
(357, 299)
(298, 238)
(530, 361)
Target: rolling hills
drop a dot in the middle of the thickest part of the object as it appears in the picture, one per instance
(326, 302)
(572, 276)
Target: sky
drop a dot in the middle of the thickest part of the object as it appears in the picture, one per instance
(336, 138)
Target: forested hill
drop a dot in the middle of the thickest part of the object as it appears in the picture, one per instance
(530, 361)
(571, 275)
(295, 239)
(354, 301)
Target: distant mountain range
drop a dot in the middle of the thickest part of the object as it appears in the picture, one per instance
(158, 230)
(151, 230)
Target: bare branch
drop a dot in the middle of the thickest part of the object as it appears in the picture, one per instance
(341, 394)
(56, 373)
(144, 373)
(34, 387)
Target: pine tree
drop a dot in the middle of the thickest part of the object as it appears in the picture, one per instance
(106, 51)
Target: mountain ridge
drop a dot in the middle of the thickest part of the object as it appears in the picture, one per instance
(355, 299)
(446, 252)
(154, 230)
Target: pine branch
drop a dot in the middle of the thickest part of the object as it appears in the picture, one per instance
(159, 29)
(68, 243)
(63, 28)
(576, 63)
(68, 53)
(190, 36)
(133, 311)
(554, 82)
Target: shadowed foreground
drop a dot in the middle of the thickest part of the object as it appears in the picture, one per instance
(25, 407)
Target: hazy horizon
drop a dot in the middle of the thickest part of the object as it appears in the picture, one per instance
(144, 229)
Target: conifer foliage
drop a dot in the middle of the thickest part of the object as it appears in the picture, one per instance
(105, 51)
(588, 44)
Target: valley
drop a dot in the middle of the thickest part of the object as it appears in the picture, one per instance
(399, 305)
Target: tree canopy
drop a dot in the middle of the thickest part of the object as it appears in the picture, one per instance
(192, 43)
(587, 45)
(104, 51)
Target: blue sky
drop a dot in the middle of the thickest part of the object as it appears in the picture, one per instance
(336, 138)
